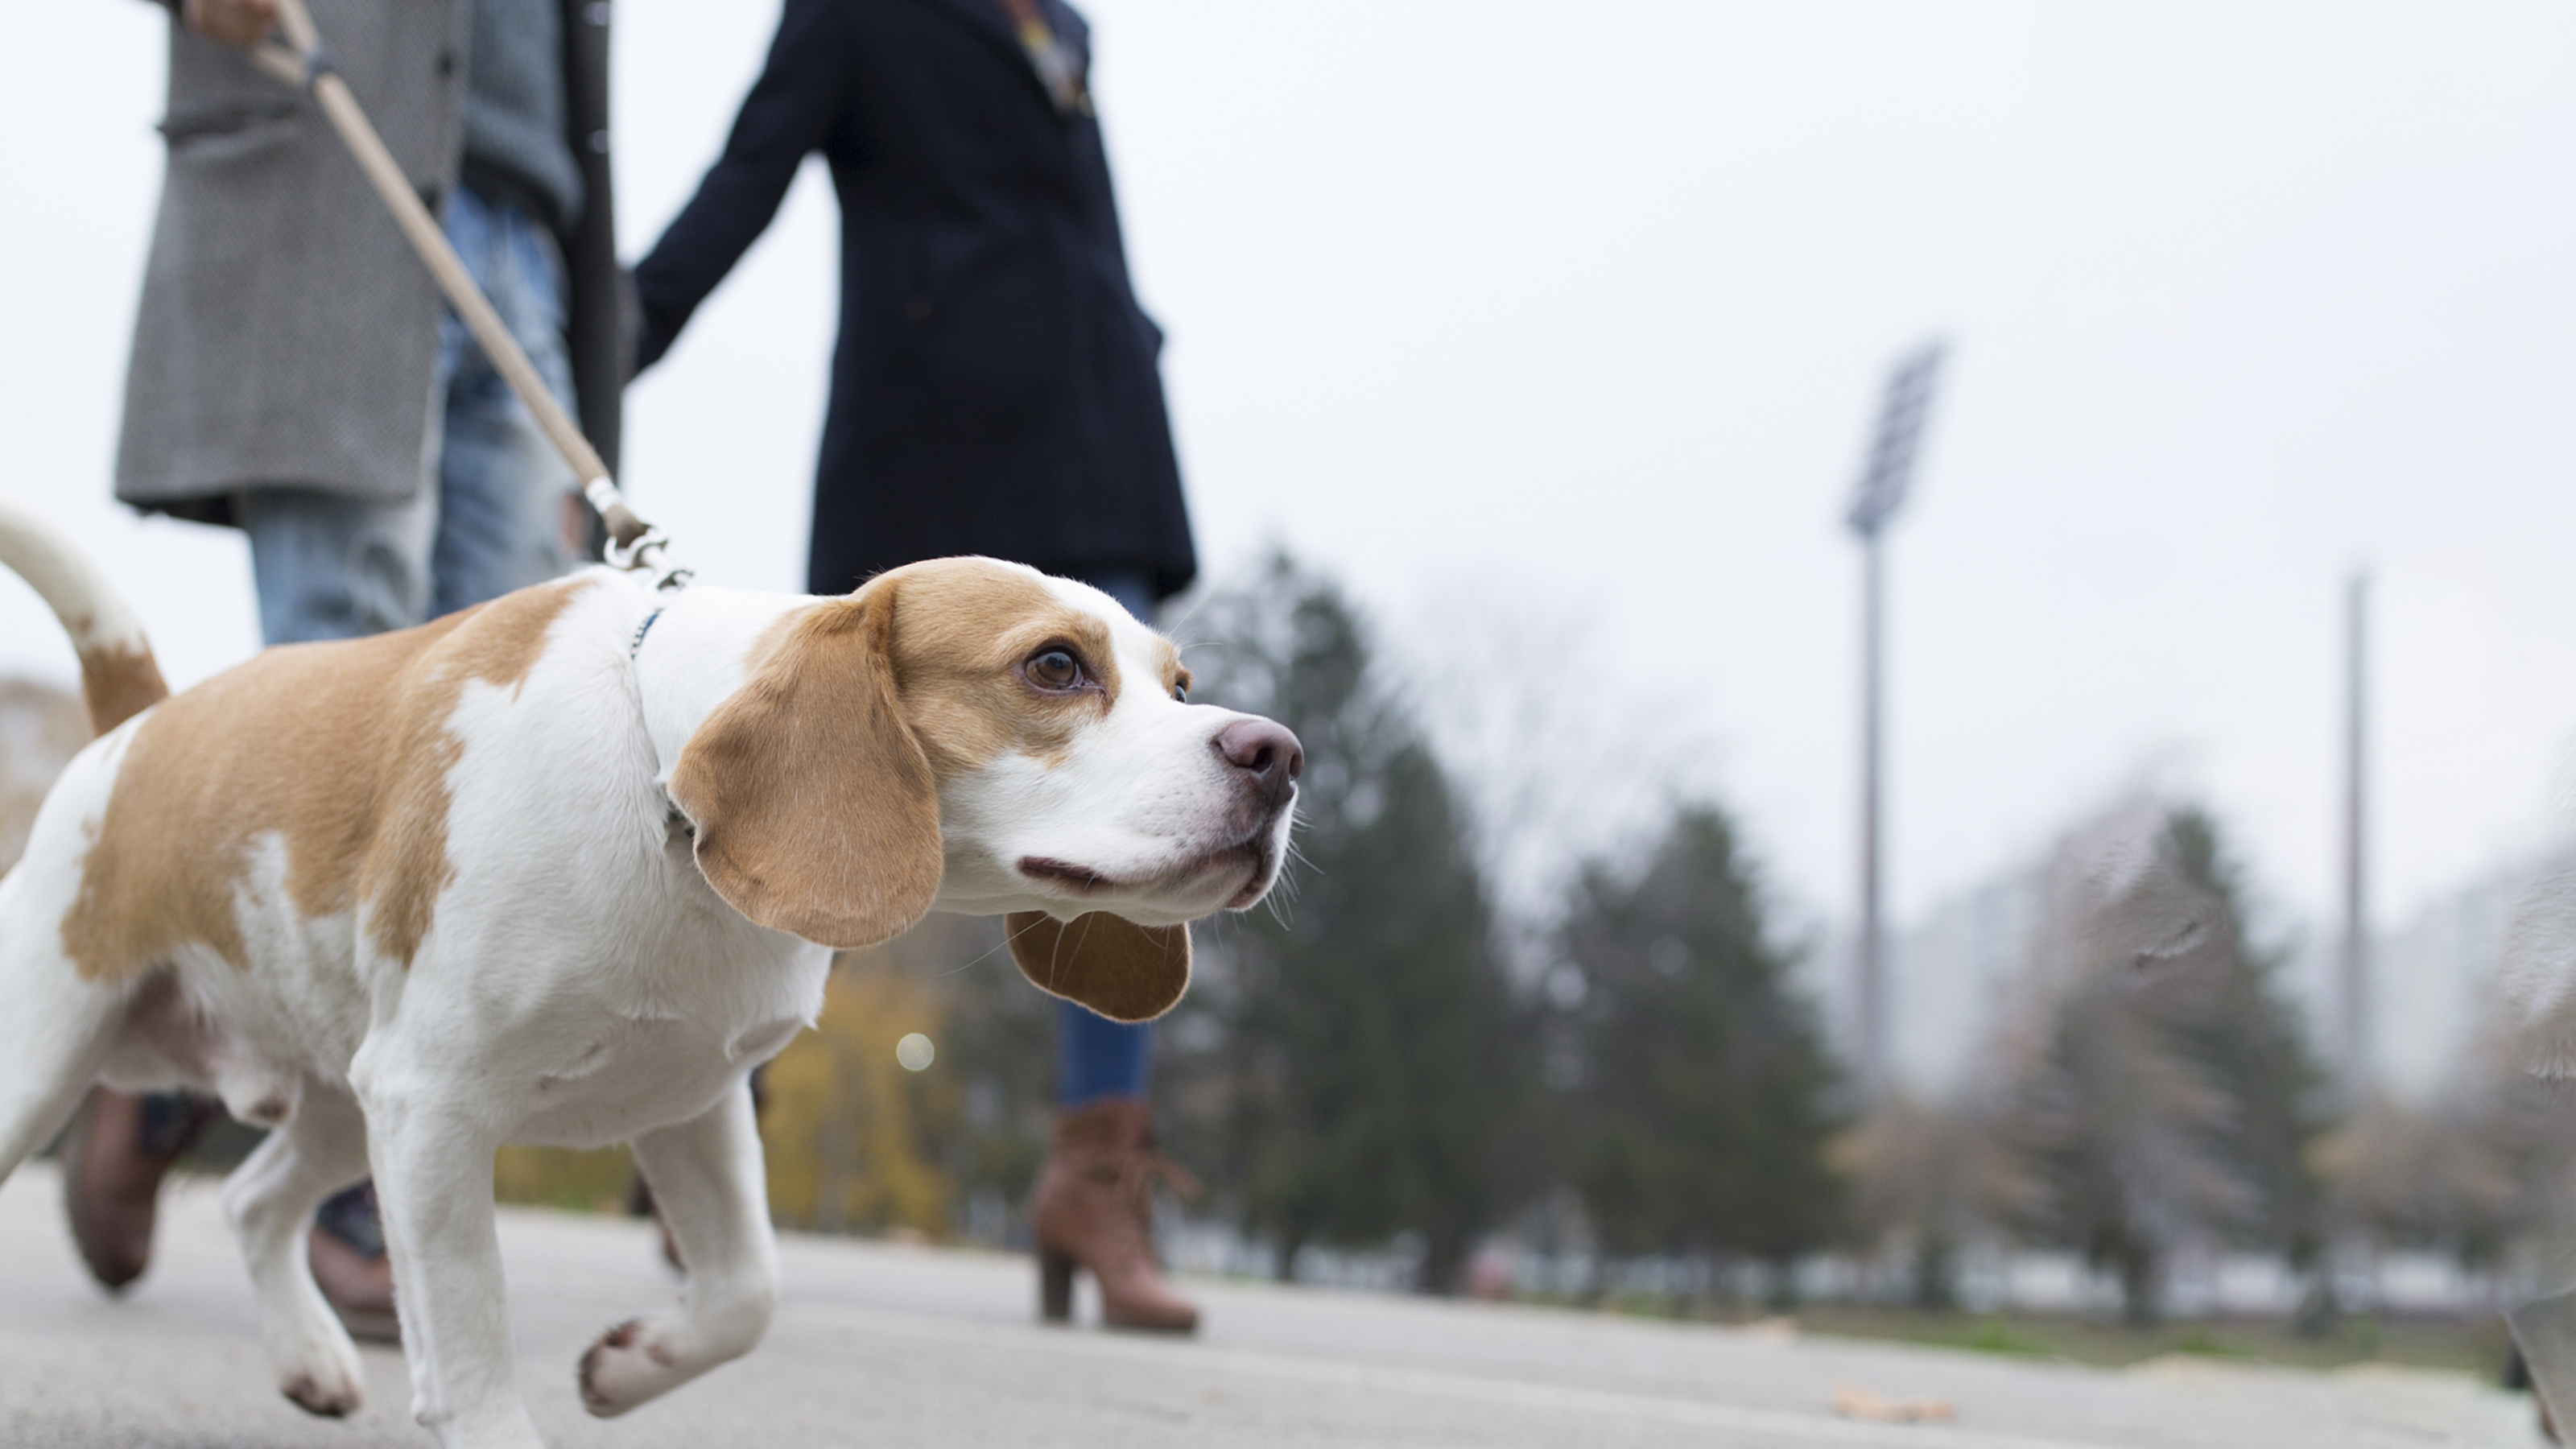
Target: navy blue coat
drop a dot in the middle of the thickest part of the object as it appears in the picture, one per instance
(995, 388)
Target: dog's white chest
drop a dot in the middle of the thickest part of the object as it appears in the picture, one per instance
(629, 1075)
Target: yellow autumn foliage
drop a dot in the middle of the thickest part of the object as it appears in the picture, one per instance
(853, 1137)
(559, 1177)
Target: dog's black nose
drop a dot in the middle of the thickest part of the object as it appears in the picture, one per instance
(1267, 752)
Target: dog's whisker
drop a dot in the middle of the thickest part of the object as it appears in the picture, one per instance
(987, 954)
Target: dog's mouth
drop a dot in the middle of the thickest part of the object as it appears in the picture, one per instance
(1064, 875)
(1253, 860)
(1260, 861)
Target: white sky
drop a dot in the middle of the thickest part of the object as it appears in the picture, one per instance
(1588, 305)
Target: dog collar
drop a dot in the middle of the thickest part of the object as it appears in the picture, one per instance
(636, 645)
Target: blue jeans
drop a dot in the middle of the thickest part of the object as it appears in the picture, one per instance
(1094, 1056)
(489, 517)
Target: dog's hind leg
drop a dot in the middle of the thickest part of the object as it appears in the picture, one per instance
(55, 1027)
(270, 1199)
(708, 1180)
(57, 1021)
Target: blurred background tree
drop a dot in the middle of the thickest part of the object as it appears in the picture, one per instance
(857, 1139)
(998, 1047)
(1692, 1080)
(1358, 1062)
(41, 728)
(2253, 1042)
(2171, 1100)
(1927, 1178)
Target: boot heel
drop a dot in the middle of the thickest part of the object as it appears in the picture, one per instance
(1055, 1286)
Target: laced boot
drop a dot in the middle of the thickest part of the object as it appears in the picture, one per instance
(1094, 1209)
(112, 1171)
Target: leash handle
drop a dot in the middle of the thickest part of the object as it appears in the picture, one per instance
(304, 62)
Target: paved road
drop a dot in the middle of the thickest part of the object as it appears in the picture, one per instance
(886, 1345)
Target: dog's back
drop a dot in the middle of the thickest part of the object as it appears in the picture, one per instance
(292, 809)
(334, 755)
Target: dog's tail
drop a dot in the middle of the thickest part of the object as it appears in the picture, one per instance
(119, 680)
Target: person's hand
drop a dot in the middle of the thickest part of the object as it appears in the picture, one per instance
(238, 23)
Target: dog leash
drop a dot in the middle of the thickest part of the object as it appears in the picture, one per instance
(304, 62)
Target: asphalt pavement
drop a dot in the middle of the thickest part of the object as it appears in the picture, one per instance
(879, 1344)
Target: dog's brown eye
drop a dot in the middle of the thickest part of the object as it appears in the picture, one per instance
(1055, 669)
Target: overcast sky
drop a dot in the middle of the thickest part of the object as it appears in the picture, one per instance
(1584, 308)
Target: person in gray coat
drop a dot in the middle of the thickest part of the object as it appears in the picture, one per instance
(296, 375)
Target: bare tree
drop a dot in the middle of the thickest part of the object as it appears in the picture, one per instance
(2130, 1078)
(1560, 763)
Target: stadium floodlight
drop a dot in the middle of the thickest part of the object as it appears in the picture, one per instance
(1890, 469)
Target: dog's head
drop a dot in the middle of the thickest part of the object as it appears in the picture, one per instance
(980, 736)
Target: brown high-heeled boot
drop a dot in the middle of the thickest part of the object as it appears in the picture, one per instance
(346, 1246)
(1094, 1208)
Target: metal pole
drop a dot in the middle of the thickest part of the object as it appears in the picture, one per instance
(1873, 965)
(2356, 928)
(1885, 476)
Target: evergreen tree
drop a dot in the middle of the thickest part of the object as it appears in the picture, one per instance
(1696, 1091)
(1362, 1030)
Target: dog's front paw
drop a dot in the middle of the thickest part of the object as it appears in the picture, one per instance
(318, 1368)
(331, 1395)
(630, 1363)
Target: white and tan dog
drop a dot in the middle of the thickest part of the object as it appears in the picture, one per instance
(563, 869)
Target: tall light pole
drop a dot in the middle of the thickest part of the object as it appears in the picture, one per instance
(1883, 483)
(2355, 985)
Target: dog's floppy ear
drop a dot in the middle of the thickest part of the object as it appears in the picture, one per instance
(815, 808)
(1122, 970)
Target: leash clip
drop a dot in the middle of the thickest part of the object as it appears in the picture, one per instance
(634, 545)
(645, 556)
(319, 62)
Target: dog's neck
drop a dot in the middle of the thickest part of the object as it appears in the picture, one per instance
(696, 654)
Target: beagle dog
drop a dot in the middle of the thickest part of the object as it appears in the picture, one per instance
(562, 869)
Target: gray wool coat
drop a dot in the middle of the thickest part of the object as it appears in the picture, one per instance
(287, 333)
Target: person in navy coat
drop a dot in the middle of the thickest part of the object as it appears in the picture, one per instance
(995, 388)
(994, 391)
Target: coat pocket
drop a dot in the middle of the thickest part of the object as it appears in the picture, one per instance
(214, 136)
